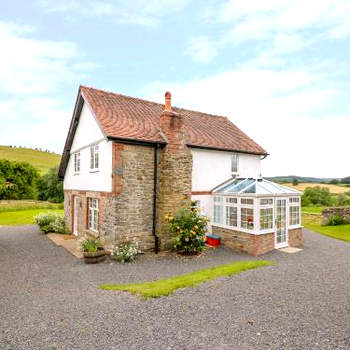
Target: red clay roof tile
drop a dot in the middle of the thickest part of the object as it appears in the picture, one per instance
(133, 118)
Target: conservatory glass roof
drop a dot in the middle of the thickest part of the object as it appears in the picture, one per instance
(253, 186)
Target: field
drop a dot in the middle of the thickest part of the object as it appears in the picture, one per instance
(332, 188)
(43, 161)
(15, 213)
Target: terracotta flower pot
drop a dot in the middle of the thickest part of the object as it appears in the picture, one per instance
(96, 257)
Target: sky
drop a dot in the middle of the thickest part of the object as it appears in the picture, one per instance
(278, 69)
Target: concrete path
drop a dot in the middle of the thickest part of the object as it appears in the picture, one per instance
(50, 300)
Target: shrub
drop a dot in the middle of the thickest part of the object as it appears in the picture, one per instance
(51, 222)
(188, 228)
(336, 220)
(50, 188)
(343, 200)
(317, 196)
(125, 252)
(88, 244)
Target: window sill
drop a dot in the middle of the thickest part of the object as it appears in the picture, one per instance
(94, 171)
(75, 174)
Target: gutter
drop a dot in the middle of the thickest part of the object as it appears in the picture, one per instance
(155, 183)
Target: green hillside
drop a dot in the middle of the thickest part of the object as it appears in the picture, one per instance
(43, 161)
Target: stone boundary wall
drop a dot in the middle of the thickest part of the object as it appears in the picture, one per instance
(342, 211)
(245, 242)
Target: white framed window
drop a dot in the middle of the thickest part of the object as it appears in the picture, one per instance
(231, 216)
(266, 201)
(294, 200)
(93, 214)
(218, 210)
(231, 200)
(234, 163)
(266, 218)
(294, 215)
(94, 157)
(247, 218)
(249, 201)
(77, 162)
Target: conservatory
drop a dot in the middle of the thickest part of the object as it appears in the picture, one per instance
(256, 215)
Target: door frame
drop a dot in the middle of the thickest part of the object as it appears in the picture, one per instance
(285, 243)
(76, 202)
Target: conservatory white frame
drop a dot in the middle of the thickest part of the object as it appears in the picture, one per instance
(278, 192)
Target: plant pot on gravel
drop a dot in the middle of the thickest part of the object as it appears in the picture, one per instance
(92, 250)
(95, 257)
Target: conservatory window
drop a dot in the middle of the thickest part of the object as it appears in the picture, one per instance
(218, 210)
(249, 201)
(93, 214)
(294, 200)
(294, 215)
(234, 163)
(231, 216)
(231, 200)
(247, 218)
(266, 201)
(77, 162)
(266, 218)
(94, 157)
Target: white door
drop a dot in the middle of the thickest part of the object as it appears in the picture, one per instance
(281, 238)
(76, 216)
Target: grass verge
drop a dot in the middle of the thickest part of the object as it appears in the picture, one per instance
(15, 205)
(313, 223)
(23, 217)
(163, 287)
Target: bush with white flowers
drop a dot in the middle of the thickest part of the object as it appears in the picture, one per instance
(125, 252)
(51, 222)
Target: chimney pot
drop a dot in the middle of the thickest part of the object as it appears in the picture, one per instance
(168, 101)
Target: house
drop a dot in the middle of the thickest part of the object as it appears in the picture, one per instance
(128, 162)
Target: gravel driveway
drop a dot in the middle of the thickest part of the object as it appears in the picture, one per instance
(50, 300)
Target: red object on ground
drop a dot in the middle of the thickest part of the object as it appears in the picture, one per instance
(213, 240)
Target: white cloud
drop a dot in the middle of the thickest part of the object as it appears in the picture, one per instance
(140, 12)
(32, 74)
(274, 108)
(201, 49)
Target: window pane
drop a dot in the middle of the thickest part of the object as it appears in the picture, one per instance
(247, 218)
(231, 216)
(294, 212)
(266, 201)
(266, 218)
(234, 163)
(249, 201)
(231, 200)
(217, 214)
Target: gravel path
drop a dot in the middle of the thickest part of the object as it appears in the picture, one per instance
(50, 300)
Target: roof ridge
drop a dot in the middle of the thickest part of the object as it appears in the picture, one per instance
(152, 102)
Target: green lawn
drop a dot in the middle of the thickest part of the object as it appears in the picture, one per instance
(23, 217)
(39, 159)
(314, 209)
(158, 288)
(313, 223)
(15, 205)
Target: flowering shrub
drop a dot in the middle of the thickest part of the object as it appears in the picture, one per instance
(51, 222)
(188, 228)
(88, 244)
(125, 252)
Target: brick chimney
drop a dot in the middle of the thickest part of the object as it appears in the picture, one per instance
(174, 171)
(171, 124)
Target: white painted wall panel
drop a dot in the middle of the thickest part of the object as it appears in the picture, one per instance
(87, 133)
(211, 168)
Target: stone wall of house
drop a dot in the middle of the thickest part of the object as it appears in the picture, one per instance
(174, 176)
(342, 211)
(245, 242)
(128, 213)
(295, 237)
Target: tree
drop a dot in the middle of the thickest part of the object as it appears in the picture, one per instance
(317, 196)
(334, 182)
(346, 180)
(50, 188)
(295, 181)
(18, 180)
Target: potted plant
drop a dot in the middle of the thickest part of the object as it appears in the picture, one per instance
(92, 250)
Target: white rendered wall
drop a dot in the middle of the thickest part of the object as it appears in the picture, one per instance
(88, 132)
(211, 168)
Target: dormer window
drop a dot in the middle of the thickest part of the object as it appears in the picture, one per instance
(94, 157)
(77, 162)
(234, 163)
